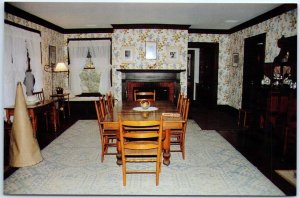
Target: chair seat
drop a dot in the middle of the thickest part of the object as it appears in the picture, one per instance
(130, 152)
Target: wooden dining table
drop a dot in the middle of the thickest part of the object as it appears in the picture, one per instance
(129, 110)
(33, 111)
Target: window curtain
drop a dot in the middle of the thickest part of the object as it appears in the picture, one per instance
(100, 52)
(16, 43)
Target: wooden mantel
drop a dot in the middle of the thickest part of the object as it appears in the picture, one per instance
(151, 70)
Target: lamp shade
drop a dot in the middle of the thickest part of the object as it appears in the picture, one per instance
(61, 67)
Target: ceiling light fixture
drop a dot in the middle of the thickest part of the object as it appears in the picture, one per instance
(231, 21)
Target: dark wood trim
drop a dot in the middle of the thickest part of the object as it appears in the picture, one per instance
(150, 26)
(87, 39)
(266, 16)
(88, 30)
(30, 17)
(208, 31)
(151, 70)
(22, 27)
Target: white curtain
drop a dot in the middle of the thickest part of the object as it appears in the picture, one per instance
(100, 52)
(16, 43)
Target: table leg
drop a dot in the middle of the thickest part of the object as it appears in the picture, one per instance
(119, 155)
(33, 121)
(8, 114)
(166, 148)
(53, 109)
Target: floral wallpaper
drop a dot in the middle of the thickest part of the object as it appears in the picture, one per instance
(135, 39)
(276, 27)
(229, 78)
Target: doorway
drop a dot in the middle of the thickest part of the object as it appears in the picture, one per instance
(205, 77)
(254, 56)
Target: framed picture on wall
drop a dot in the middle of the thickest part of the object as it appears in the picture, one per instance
(127, 54)
(235, 59)
(52, 56)
(172, 54)
(150, 50)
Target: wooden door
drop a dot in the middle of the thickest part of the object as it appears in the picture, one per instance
(190, 74)
(254, 56)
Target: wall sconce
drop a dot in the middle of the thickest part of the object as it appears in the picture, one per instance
(89, 63)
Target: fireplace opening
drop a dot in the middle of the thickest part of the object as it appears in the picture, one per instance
(161, 93)
(164, 90)
(165, 82)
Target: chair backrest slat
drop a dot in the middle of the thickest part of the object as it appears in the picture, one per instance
(141, 95)
(40, 95)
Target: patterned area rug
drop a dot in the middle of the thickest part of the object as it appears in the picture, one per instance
(72, 166)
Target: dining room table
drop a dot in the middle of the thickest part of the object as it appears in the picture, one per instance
(132, 110)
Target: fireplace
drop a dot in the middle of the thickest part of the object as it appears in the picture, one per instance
(166, 83)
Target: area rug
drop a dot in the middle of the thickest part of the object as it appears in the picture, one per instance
(72, 166)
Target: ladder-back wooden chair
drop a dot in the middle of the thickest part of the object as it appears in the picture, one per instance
(41, 96)
(110, 100)
(141, 95)
(181, 104)
(141, 141)
(108, 137)
(178, 135)
(179, 101)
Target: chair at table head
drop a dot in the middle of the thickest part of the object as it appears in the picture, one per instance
(141, 95)
(39, 94)
(141, 141)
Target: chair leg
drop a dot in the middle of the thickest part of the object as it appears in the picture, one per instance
(182, 137)
(47, 125)
(158, 169)
(103, 150)
(124, 171)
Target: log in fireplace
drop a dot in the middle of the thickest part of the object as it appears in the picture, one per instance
(166, 83)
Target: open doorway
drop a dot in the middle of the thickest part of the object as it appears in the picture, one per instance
(203, 84)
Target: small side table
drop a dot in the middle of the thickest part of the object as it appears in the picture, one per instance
(61, 98)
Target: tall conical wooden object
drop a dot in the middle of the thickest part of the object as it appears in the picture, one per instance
(24, 149)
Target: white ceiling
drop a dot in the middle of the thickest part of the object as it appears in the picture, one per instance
(69, 15)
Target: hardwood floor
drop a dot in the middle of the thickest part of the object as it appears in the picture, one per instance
(262, 148)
